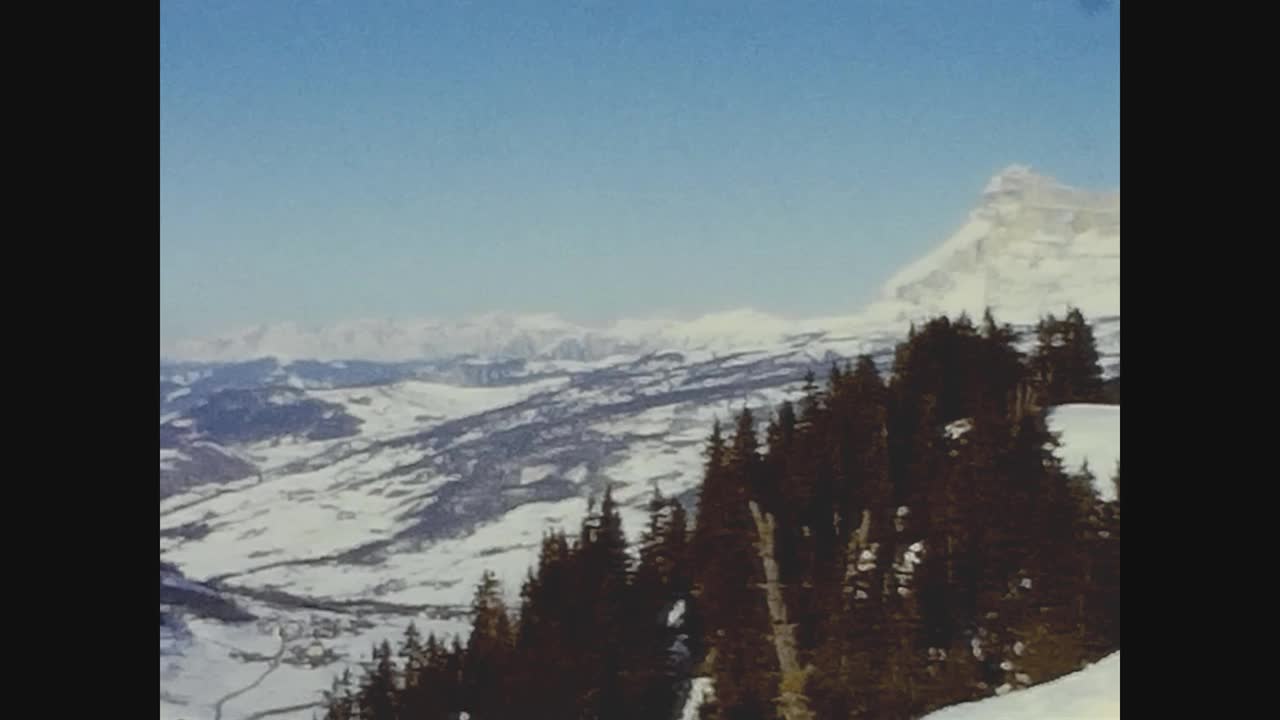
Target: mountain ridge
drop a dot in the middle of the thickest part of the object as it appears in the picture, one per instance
(1032, 246)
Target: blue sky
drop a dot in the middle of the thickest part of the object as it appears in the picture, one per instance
(331, 160)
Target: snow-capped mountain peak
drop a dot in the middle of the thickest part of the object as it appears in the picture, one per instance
(1033, 246)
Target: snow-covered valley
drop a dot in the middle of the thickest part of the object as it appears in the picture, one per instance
(338, 498)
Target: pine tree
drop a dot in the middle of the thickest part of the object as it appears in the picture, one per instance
(961, 496)
(654, 567)
(413, 654)
(780, 437)
(780, 497)
(340, 702)
(1103, 601)
(812, 399)
(873, 493)
(657, 651)
(485, 662)
(804, 510)
(1034, 568)
(378, 696)
(737, 623)
(835, 380)
(1046, 363)
(678, 550)
(1115, 480)
(1066, 363)
(863, 492)
(429, 697)
(1083, 361)
(920, 480)
(842, 685)
(454, 664)
(713, 495)
(1000, 368)
(608, 567)
(553, 626)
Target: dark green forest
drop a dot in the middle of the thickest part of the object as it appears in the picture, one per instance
(900, 542)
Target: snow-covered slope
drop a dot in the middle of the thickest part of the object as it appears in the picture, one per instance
(1032, 247)
(1091, 694)
(349, 498)
(348, 540)
(1089, 434)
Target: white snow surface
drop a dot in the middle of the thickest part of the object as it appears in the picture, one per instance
(675, 617)
(1091, 694)
(169, 457)
(1089, 433)
(388, 410)
(1032, 247)
(700, 692)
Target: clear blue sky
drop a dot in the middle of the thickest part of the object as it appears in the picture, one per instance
(330, 160)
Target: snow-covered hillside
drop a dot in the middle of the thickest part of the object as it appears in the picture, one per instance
(1089, 434)
(337, 501)
(1031, 247)
(1091, 694)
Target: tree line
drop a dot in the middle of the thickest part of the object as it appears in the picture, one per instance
(894, 546)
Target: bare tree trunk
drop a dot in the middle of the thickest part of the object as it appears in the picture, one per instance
(792, 702)
(1027, 401)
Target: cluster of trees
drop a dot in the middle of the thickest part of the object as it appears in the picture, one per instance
(932, 548)
(594, 636)
(895, 546)
(1065, 364)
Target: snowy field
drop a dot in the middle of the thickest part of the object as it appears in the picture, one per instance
(439, 574)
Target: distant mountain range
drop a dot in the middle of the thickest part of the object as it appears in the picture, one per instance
(1031, 247)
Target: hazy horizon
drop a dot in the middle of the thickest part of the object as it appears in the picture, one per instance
(599, 163)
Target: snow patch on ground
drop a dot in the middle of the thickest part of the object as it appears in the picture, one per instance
(440, 573)
(1091, 694)
(1089, 432)
(418, 405)
(535, 473)
(700, 692)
